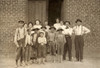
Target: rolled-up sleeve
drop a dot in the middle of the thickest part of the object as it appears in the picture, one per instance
(86, 30)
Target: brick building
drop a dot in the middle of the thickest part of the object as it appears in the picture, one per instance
(28, 10)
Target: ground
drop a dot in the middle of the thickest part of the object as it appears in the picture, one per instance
(87, 63)
(91, 60)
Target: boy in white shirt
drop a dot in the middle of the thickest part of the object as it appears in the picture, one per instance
(42, 48)
(79, 31)
(37, 24)
(57, 24)
(68, 46)
(62, 25)
(19, 40)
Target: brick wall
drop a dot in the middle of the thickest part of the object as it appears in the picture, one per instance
(13, 10)
(10, 12)
(89, 12)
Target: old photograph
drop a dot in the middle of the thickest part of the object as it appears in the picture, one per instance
(49, 33)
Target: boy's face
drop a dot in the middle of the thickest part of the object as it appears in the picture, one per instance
(61, 22)
(67, 24)
(60, 31)
(30, 25)
(57, 20)
(21, 24)
(36, 31)
(41, 34)
(46, 23)
(52, 30)
(37, 22)
(78, 23)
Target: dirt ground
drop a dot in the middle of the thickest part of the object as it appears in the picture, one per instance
(91, 60)
(87, 63)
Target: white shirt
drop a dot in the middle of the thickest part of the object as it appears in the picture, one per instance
(62, 26)
(37, 26)
(19, 34)
(80, 30)
(47, 28)
(57, 25)
(28, 39)
(68, 31)
(42, 40)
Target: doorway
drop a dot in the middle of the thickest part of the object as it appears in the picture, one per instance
(54, 10)
(44, 10)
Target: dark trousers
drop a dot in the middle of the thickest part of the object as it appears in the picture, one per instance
(20, 51)
(79, 44)
(20, 54)
(68, 48)
(27, 52)
(41, 51)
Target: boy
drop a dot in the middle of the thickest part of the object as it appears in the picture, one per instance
(28, 44)
(37, 24)
(60, 42)
(42, 48)
(79, 31)
(47, 26)
(62, 25)
(35, 36)
(43, 29)
(68, 46)
(51, 43)
(57, 24)
(19, 41)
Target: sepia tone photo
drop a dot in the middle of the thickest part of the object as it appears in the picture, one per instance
(49, 33)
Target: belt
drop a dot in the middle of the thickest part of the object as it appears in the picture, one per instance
(67, 36)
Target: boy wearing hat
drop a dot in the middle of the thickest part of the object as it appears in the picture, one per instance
(79, 31)
(42, 48)
(51, 43)
(43, 29)
(35, 36)
(28, 44)
(19, 40)
(60, 42)
(68, 46)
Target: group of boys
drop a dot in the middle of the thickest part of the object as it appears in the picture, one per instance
(56, 41)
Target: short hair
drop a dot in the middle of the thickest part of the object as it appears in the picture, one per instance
(30, 23)
(22, 22)
(57, 18)
(78, 20)
(67, 22)
(37, 20)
